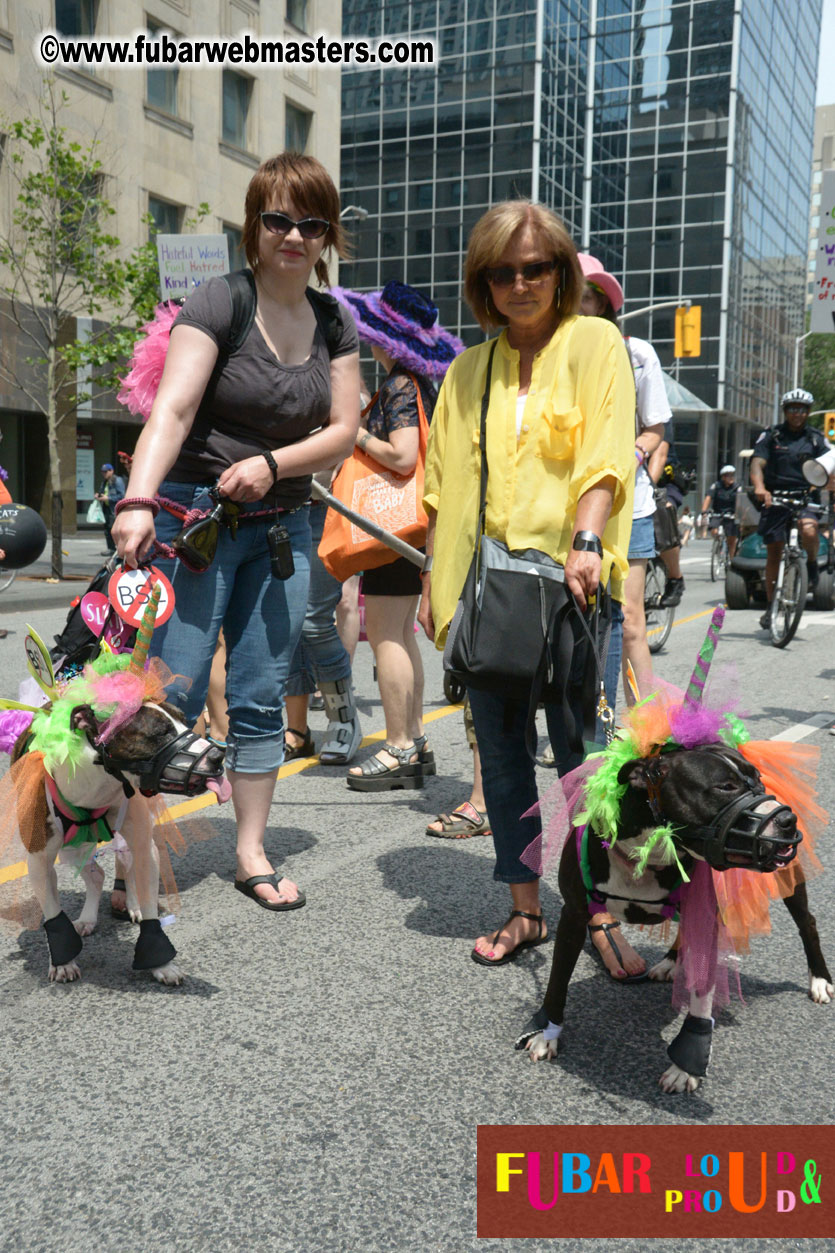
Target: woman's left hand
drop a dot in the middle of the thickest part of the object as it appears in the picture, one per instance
(246, 480)
(582, 575)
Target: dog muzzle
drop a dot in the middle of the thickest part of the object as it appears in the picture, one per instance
(186, 766)
(745, 836)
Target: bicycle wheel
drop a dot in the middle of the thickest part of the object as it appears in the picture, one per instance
(659, 621)
(7, 577)
(714, 561)
(788, 609)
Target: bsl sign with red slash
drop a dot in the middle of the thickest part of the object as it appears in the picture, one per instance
(130, 591)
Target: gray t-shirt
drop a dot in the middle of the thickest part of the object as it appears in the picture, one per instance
(253, 403)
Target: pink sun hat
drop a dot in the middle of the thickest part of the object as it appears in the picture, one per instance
(593, 272)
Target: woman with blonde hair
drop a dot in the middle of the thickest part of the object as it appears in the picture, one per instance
(559, 447)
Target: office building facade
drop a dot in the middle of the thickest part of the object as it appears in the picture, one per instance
(169, 140)
(674, 137)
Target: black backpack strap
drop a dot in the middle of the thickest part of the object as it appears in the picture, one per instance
(328, 316)
(241, 284)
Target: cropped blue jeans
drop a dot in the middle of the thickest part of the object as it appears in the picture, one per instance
(320, 655)
(261, 617)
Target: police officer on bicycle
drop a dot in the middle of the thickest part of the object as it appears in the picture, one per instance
(777, 465)
(721, 501)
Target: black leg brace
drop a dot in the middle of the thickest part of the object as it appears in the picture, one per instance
(153, 948)
(537, 1023)
(690, 1050)
(63, 939)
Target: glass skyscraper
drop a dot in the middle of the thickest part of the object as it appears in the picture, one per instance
(674, 137)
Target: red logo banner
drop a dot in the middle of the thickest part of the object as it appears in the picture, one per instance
(648, 1182)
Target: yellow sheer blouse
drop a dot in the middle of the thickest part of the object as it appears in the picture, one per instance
(578, 427)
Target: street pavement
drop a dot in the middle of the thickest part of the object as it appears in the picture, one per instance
(317, 1081)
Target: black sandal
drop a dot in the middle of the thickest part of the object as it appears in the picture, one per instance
(514, 952)
(247, 886)
(306, 749)
(606, 927)
(376, 776)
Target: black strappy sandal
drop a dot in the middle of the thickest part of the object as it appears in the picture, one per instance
(514, 952)
(606, 927)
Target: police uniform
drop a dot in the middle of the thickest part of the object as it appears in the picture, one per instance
(784, 451)
(723, 504)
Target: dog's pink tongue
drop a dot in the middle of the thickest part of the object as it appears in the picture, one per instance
(221, 787)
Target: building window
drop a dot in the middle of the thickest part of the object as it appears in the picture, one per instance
(167, 216)
(297, 13)
(75, 17)
(237, 92)
(161, 85)
(296, 127)
(234, 240)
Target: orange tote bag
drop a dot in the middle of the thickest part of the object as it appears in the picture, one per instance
(394, 501)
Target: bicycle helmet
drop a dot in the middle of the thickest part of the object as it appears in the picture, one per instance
(728, 469)
(797, 396)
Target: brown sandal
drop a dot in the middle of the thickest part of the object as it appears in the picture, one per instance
(463, 822)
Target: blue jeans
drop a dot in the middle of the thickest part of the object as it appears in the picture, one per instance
(507, 771)
(320, 655)
(261, 618)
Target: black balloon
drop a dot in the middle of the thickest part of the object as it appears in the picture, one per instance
(22, 536)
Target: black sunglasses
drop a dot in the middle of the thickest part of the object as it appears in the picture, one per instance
(281, 224)
(505, 275)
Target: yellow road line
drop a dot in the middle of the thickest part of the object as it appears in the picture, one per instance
(681, 621)
(196, 803)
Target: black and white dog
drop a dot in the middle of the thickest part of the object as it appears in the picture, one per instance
(152, 753)
(714, 799)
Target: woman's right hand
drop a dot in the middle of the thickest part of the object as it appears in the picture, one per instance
(133, 534)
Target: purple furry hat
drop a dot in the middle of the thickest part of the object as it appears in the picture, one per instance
(404, 323)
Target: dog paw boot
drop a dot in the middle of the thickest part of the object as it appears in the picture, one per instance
(63, 940)
(153, 948)
(344, 734)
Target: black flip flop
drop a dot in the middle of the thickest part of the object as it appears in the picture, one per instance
(606, 927)
(248, 888)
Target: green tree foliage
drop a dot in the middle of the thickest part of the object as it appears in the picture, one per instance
(59, 262)
(819, 370)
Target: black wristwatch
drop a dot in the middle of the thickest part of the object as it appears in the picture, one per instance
(587, 542)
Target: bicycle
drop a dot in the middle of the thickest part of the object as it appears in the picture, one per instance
(792, 584)
(7, 577)
(659, 619)
(719, 556)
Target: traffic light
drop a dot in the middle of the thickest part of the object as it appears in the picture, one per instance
(688, 331)
(829, 425)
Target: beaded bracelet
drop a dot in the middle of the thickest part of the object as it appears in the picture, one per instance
(137, 502)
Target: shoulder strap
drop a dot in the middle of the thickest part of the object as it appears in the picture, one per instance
(482, 444)
(241, 284)
(328, 317)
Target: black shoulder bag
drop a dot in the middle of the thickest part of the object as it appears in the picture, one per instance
(517, 630)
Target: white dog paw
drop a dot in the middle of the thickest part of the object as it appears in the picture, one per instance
(820, 990)
(168, 974)
(674, 1079)
(64, 974)
(540, 1049)
(663, 971)
(135, 915)
(83, 927)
